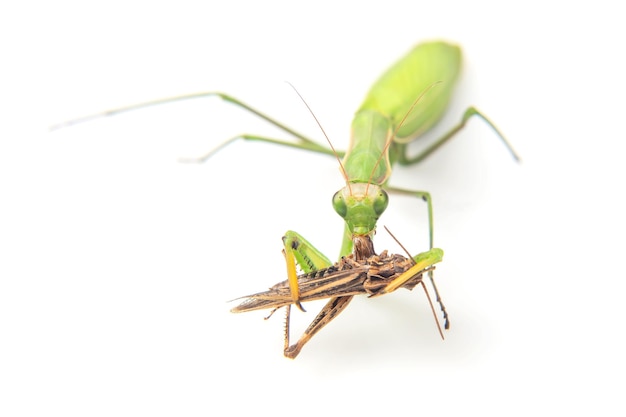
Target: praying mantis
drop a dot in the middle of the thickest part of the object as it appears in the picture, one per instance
(403, 104)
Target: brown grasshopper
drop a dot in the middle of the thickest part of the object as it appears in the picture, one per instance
(361, 272)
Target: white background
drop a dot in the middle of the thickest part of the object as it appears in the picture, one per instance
(117, 261)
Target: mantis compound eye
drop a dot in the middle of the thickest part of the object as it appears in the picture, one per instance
(381, 201)
(339, 204)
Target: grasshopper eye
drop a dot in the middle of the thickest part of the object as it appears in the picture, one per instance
(380, 202)
(339, 204)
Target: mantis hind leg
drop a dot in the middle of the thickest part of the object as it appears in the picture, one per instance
(471, 111)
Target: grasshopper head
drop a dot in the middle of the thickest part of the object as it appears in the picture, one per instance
(360, 205)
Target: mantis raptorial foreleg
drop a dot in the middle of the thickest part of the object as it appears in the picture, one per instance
(299, 251)
(426, 197)
(420, 264)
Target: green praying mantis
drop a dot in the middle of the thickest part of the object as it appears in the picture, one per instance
(405, 102)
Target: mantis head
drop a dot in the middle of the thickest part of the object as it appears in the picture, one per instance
(360, 205)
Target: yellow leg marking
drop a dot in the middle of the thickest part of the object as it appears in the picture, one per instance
(292, 277)
(404, 278)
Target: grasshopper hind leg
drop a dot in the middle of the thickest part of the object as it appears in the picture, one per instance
(333, 308)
